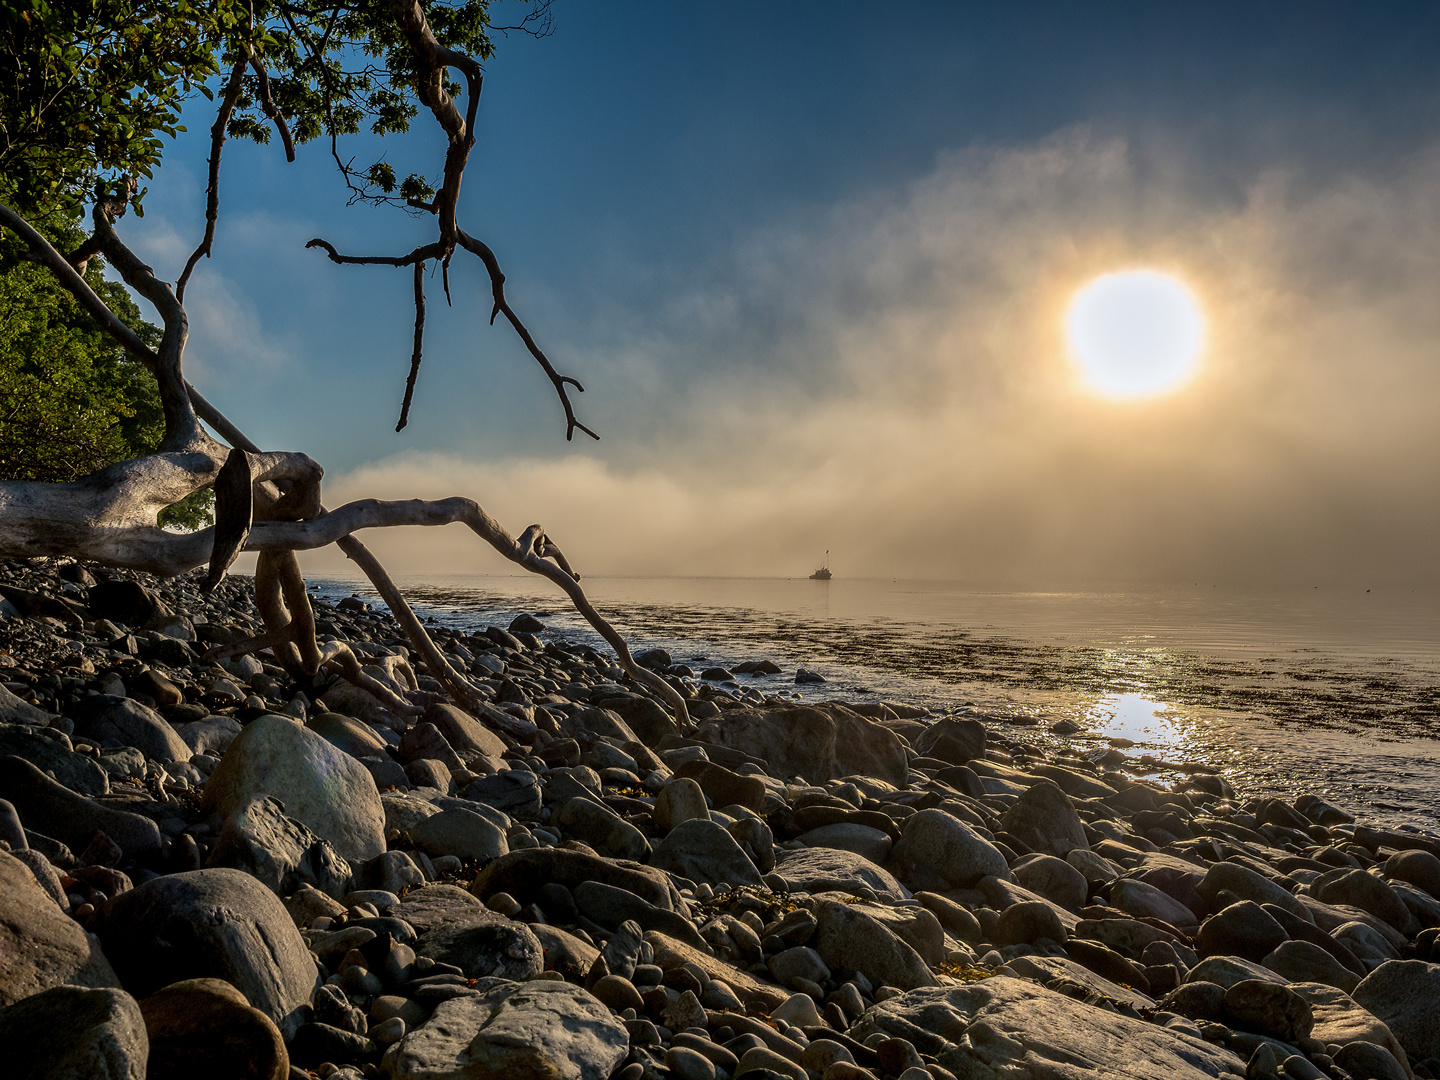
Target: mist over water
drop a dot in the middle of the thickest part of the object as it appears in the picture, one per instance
(1336, 693)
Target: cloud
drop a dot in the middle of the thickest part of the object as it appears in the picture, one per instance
(890, 382)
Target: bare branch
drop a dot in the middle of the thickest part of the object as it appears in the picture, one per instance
(420, 254)
(212, 192)
(502, 307)
(415, 353)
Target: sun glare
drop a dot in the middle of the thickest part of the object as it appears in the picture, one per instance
(1135, 334)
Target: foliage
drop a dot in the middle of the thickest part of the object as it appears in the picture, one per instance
(89, 87)
(71, 399)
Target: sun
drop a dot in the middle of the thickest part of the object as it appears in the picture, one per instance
(1135, 334)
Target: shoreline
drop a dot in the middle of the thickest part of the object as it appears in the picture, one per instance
(792, 886)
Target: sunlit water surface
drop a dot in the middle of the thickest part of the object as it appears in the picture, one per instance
(1335, 693)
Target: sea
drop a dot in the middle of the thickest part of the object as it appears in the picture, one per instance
(1335, 692)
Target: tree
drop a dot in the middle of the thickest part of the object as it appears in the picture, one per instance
(71, 399)
(80, 120)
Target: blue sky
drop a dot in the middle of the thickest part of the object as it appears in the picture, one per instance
(808, 260)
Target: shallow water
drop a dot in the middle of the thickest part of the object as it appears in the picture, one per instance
(1314, 690)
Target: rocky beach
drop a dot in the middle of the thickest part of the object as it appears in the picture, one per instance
(213, 869)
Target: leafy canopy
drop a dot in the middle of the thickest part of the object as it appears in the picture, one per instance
(88, 88)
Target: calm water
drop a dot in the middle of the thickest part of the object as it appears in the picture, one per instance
(1315, 690)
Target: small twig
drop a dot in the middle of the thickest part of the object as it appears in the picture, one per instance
(415, 353)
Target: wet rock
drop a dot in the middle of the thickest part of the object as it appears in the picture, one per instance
(42, 947)
(937, 851)
(536, 1031)
(48, 807)
(1003, 1025)
(819, 743)
(206, 1028)
(706, 853)
(279, 851)
(118, 721)
(319, 785)
(1366, 1061)
(75, 1033)
(848, 940)
(212, 924)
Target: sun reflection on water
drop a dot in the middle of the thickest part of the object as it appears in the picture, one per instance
(1137, 718)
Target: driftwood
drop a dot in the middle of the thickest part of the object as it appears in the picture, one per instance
(270, 501)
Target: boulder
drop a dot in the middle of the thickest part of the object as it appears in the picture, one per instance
(50, 751)
(461, 833)
(822, 742)
(536, 1031)
(645, 717)
(1053, 878)
(212, 735)
(862, 840)
(1247, 884)
(1356, 888)
(218, 923)
(319, 785)
(484, 944)
(850, 940)
(42, 946)
(939, 852)
(724, 787)
(611, 907)
(432, 906)
(524, 873)
(206, 1028)
(346, 733)
(117, 721)
(1007, 1026)
(1268, 1008)
(706, 853)
(469, 738)
(48, 807)
(279, 851)
(1302, 961)
(679, 801)
(1242, 929)
(603, 829)
(1418, 868)
(832, 870)
(75, 1033)
(1405, 996)
(954, 739)
(1146, 901)
(15, 711)
(122, 601)
(1044, 819)
(1340, 1021)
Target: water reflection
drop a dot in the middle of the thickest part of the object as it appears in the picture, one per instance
(1137, 718)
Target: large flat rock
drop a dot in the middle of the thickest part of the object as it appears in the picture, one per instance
(1022, 1031)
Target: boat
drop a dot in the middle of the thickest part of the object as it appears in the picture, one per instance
(823, 574)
